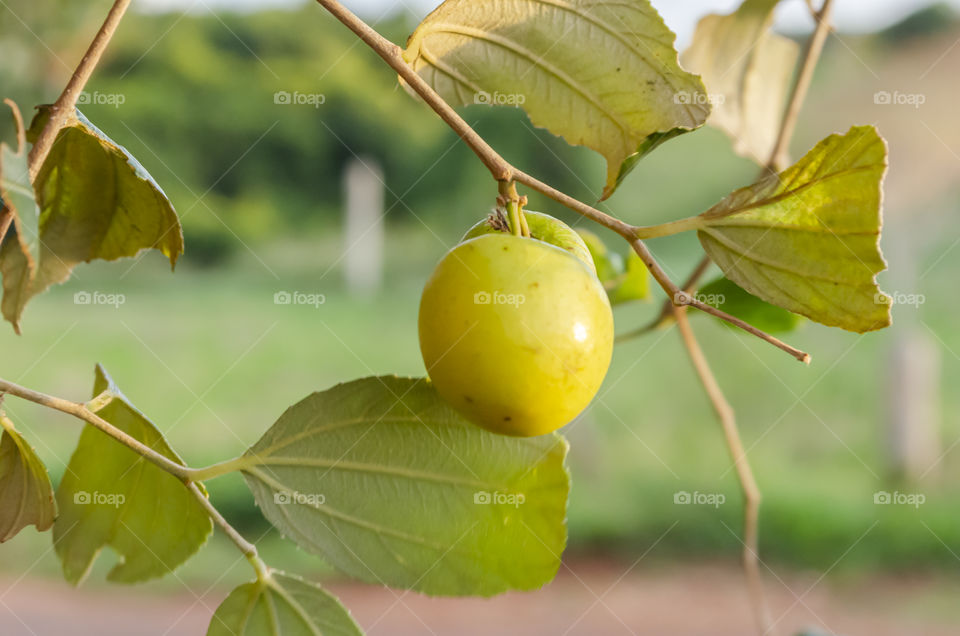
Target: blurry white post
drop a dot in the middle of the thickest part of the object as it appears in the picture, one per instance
(363, 226)
(913, 376)
(914, 420)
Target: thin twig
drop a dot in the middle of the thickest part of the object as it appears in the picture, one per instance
(666, 311)
(187, 475)
(693, 301)
(802, 84)
(393, 55)
(502, 170)
(67, 101)
(81, 411)
(679, 297)
(751, 493)
(748, 484)
(249, 550)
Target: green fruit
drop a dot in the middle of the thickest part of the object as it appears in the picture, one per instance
(543, 227)
(608, 264)
(516, 334)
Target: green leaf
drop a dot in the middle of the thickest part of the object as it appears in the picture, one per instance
(282, 605)
(600, 73)
(724, 294)
(17, 198)
(392, 486)
(622, 282)
(807, 239)
(111, 496)
(26, 496)
(96, 202)
(747, 70)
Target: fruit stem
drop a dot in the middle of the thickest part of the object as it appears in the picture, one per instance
(514, 204)
(513, 213)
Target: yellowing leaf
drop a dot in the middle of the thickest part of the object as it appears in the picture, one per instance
(26, 496)
(96, 202)
(282, 605)
(392, 486)
(600, 73)
(807, 239)
(111, 496)
(747, 71)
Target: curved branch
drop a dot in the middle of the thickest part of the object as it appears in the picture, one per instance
(248, 549)
(67, 101)
(81, 411)
(188, 476)
(748, 485)
(801, 85)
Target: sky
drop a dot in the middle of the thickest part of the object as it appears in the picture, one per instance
(681, 16)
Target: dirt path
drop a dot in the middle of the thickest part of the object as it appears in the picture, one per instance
(681, 601)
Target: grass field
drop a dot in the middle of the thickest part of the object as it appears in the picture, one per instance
(210, 357)
(213, 361)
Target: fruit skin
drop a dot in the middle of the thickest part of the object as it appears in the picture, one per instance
(545, 228)
(516, 334)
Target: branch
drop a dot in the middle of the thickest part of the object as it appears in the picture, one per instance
(81, 411)
(67, 101)
(751, 493)
(188, 476)
(666, 311)
(680, 298)
(249, 550)
(801, 85)
(502, 170)
(393, 55)
(748, 484)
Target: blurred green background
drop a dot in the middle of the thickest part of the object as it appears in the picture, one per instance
(213, 361)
